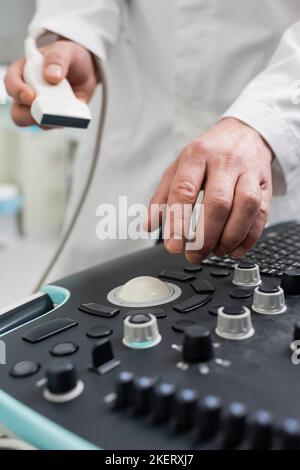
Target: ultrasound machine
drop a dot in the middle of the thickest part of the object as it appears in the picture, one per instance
(149, 352)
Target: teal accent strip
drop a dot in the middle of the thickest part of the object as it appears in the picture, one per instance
(59, 296)
(144, 345)
(36, 429)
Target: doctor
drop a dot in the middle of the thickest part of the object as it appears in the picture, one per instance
(202, 95)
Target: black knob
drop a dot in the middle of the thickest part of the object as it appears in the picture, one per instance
(163, 401)
(209, 417)
(185, 409)
(235, 424)
(124, 390)
(261, 433)
(291, 435)
(197, 344)
(61, 378)
(290, 281)
(143, 392)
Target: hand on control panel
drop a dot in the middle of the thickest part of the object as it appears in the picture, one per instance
(232, 163)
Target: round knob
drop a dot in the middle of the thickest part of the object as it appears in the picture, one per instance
(141, 331)
(291, 435)
(144, 289)
(62, 378)
(185, 408)
(261, 430)
(246, 274)
(142, 395)
(235, 424)
(234, 322)
(163, 401)
(124, 390)
(290, 281)
(197, 344)
(62, 382)
(209, 417)
(269, 300)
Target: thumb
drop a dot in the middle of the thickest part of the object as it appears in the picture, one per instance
(56, 63)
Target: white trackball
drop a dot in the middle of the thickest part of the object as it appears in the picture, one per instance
(144, 291)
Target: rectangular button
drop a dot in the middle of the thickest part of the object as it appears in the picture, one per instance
(202, 286)
(177, 276)
(46, 330)
(98, 310)
(192, 303)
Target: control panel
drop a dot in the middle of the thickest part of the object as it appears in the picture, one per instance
(149, 352)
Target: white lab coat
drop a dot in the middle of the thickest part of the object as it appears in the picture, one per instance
(174, 68)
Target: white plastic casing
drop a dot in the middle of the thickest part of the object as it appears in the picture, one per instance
(234, 327)
(246, 277)
(143, 335)
(269, 303)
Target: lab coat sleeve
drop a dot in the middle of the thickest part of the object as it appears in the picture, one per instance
(92, 23)
(271, 105)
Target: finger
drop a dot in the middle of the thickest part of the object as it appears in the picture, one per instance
(21, 115)
(247, 201)
(85, 91)
(217, 204)
(15, 85)
(258, 225)
(183, 195)
(160, 198)
(57, 60)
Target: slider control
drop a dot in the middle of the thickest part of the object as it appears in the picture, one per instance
(103, 357)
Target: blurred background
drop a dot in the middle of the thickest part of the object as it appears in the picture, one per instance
(36, 170)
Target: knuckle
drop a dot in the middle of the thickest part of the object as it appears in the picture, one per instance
(220, 202)
(231, 159)
(185, 192)
(251, 200)
(195, 149)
